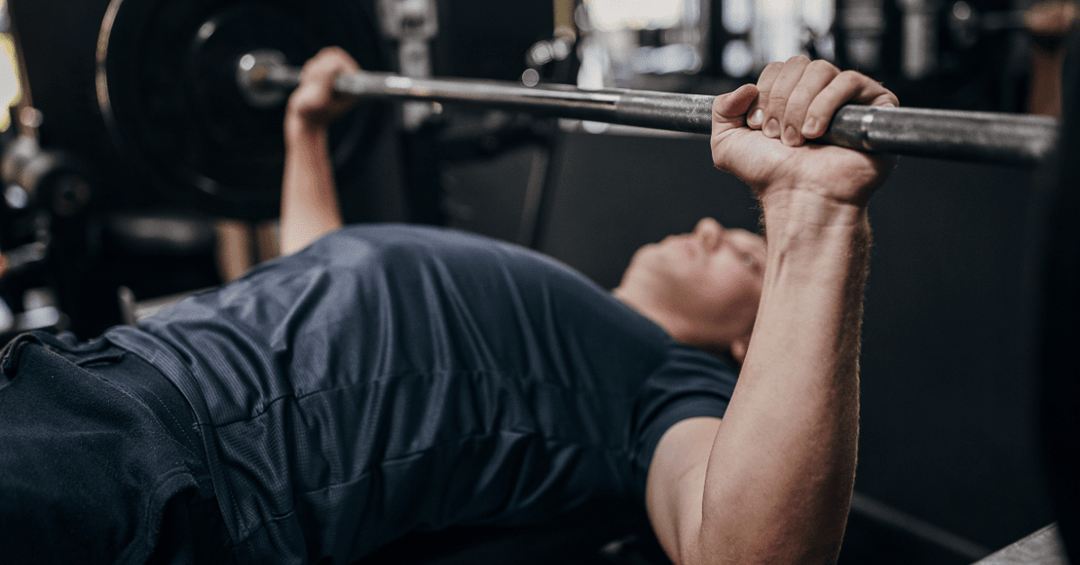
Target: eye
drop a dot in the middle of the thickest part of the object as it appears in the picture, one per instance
(748, 259)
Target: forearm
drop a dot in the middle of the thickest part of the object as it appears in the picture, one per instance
(309, 203)
(779, 478)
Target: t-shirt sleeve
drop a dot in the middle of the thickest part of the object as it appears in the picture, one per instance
(690, 384)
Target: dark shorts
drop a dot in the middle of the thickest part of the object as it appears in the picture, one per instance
(100, 460)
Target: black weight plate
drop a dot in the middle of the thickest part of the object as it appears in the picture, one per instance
(167, 89)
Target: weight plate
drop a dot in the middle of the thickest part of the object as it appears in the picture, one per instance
(166, 86)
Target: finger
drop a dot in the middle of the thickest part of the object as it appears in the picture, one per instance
(815, 78)
(755, 113)
(317, 92)
(778, 95)
(848, 86)
(340, 63)
(329, 62)
(1050, 18)
(340, 60)
(316, 78)
(325, 72)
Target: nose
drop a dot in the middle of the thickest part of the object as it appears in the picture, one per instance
(710, 231)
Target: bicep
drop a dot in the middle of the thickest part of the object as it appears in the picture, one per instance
(676, 484)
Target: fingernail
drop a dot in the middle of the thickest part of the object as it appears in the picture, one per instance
(755, 118)
(791, 137)
(772, 129)
(810, 127)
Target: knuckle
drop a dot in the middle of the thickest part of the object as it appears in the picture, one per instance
(821, 65)
(778, 97)
(849, 77)
(772, 67)
(799, 60)
(769, 73)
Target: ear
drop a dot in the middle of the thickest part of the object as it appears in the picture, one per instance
(739, 347)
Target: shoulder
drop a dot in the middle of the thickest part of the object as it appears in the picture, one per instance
(473, 263)
(411, 244)
(688, 383)
(415, 236)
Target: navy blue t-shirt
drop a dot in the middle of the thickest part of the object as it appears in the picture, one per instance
(390, 379)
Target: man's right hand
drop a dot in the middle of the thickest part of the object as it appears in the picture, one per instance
(315, 103)
(1053, 18)
(760, 132)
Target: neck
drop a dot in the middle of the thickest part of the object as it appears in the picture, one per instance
(679, 327)
(676, 326)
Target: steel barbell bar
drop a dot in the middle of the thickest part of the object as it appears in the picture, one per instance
(1014, 139)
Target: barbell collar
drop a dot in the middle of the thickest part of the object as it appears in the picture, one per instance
(1013, 139)
(264, 78)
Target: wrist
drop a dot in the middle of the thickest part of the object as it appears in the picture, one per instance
(809, 233)
(802, 210)
(303, 132)
(816, 244)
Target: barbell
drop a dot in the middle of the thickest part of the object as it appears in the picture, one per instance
(1015, 139)
(193, 94)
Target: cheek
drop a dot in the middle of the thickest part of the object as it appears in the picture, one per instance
(654, 271)
(735, 290)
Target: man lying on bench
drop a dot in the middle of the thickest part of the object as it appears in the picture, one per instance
(383, 379)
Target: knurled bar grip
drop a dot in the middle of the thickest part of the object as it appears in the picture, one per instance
(1014, 139)
(992, 137)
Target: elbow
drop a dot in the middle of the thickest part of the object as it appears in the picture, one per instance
(762, 546)
(751, 556)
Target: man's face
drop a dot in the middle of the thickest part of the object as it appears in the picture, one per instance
(711, 276)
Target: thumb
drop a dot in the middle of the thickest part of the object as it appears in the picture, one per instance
(729, 110)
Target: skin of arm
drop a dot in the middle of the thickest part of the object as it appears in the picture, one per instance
(1052, 21)
(309, 203)
(772, 483)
